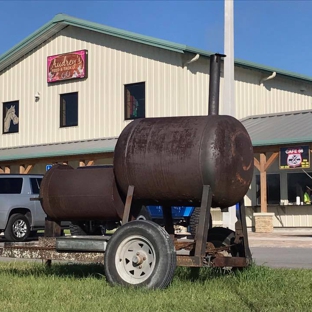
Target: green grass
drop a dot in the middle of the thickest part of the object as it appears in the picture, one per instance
(31, 287)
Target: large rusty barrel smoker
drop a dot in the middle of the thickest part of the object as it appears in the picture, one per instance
(204, 161)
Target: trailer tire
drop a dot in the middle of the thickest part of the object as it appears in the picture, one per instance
(18, 228)
(221, 236)
(194, 219)
(144, 214)
(140, 254)
(76, 229)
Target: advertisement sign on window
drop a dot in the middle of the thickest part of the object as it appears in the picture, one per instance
(72, 65)
(295, 157)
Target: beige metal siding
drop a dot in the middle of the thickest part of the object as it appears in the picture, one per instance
(171, 89)
(279, 94)
(284, 217)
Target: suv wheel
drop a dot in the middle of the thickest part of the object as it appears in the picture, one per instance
(18, 228)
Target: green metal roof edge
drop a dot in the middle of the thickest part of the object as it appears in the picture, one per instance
(164, 44)
(248, 64)
(73, 21)
(25, 41)
(124, 34)
(57, 154)
(282, 141)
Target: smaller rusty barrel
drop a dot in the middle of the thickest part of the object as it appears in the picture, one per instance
(87, 193)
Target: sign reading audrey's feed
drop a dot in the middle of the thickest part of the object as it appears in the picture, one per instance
(72, 65)
(295, 157)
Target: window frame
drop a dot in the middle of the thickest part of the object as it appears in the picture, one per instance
(142, 114)
(270, 188)
(63, 110)
(16, 104)
(296, 184)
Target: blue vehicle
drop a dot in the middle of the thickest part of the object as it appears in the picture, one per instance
(182, 215)
(178, 212)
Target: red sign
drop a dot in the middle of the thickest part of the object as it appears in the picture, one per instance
(67, 66)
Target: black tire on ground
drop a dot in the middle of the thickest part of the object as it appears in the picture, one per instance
(220, 236)
(140, 254)
(194, 219)
(18, 228)
(78, 229)
(144, 214)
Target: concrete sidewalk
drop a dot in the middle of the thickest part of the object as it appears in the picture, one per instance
(290, 238)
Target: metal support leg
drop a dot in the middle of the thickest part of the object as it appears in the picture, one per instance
(168, 220)
(126, 214)
(52, 228)
(203, 224)
(242, 212)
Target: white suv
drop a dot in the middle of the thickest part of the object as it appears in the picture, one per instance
(19, 216)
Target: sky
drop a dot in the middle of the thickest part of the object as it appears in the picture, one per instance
(266, 32)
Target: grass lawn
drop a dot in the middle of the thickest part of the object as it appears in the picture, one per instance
(31, 287)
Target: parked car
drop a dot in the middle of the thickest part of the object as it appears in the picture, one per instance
(19, 216)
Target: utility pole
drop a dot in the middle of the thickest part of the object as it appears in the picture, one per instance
(229, 107)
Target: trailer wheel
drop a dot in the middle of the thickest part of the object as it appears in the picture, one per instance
(140, 254)
(18, 228)
(194, 219)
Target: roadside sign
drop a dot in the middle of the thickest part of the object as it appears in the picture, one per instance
(48, 167)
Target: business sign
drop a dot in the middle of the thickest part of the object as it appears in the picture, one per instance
(295, 157)
(48, 167)
(67, 66)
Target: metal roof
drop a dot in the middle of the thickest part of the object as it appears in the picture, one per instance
(268, 129)
(280, 128)
(61, 21)
(103, 145)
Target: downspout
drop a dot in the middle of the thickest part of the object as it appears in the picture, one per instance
(267, 78)
(194, 59)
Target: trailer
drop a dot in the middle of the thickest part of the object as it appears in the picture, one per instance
(141, 252)
(194, 161)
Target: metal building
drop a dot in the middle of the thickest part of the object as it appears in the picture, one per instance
(69, 89)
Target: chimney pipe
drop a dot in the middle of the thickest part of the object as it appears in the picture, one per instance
(214, 84)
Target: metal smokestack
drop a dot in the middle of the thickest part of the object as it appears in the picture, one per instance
(214, 84)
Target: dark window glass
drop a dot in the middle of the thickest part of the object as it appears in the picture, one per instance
(135, 100)
(297, 183)
(10, 117)
(11, 185)
(273, 189)
(69, 109)
(35, 185)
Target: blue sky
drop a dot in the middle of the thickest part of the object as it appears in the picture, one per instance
(271, 33)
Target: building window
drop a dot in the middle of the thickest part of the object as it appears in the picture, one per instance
(135, 100)
(10, 117)
(273, 189)
(297, 184)
(69, 109)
